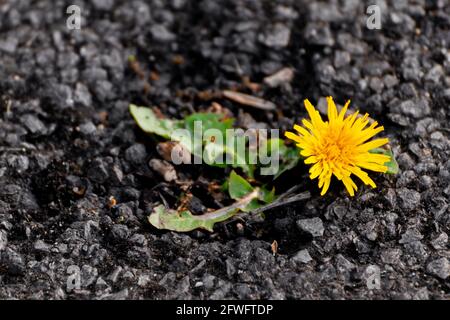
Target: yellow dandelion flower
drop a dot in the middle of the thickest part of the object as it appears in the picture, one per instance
(339, 146)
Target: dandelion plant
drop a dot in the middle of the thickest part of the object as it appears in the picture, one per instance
(340, 146)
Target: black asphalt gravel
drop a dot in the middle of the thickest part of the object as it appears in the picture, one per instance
(68, 146)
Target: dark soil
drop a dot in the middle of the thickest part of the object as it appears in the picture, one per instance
(68, 144)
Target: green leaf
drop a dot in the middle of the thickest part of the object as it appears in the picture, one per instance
(209, 121)
(238, 187)
(224, 186)
(239, 159)
(392, 165)
(214, 154)
(267, 196)
(150, 123)
(185, 221)
(214, 148)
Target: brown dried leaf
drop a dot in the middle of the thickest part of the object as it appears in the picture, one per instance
(249, 100)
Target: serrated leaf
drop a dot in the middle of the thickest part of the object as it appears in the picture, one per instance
(214, 150)
(217, 150)
(212, 147)
(150, 123)
(168, 219)
(185, 221)
(392, 165)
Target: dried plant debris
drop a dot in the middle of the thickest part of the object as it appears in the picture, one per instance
(249, 100)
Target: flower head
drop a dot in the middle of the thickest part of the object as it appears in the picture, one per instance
(339, 146)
